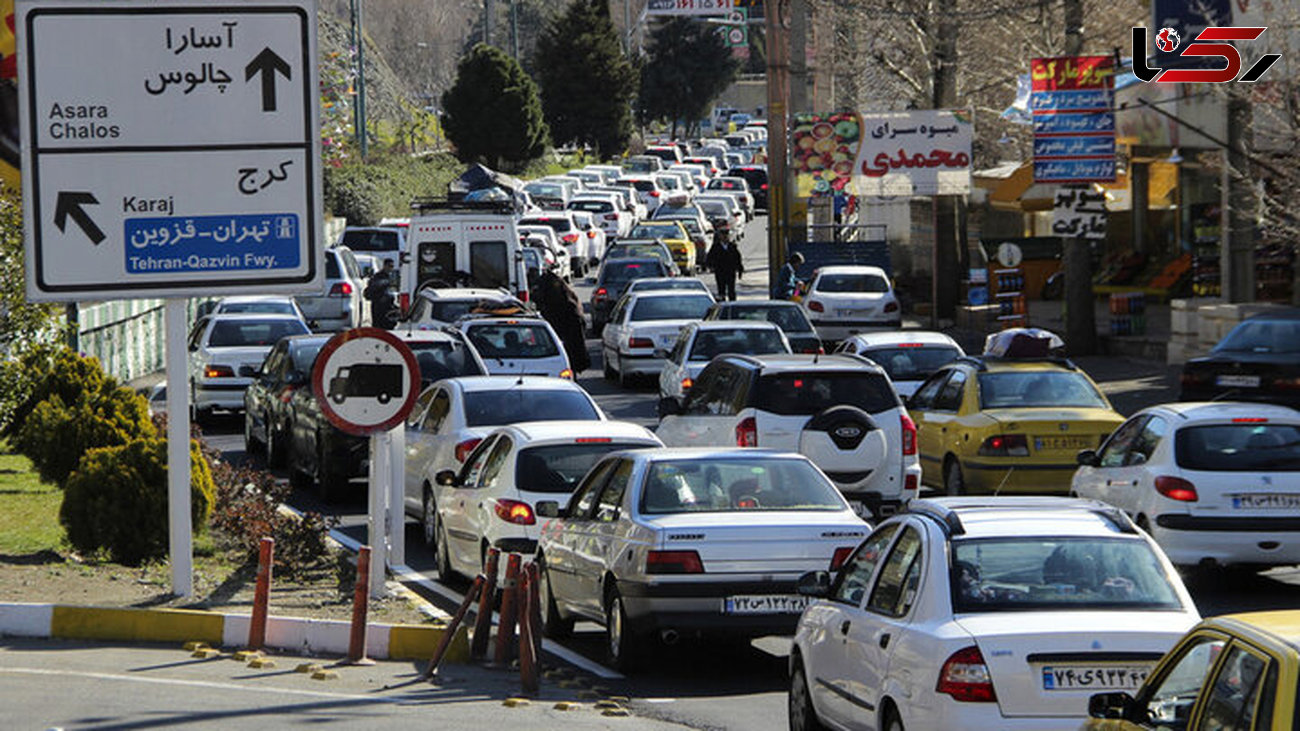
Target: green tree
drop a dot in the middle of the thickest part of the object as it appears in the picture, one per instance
(689, 65)
(22, 323)
(492, 113)
(587, 83)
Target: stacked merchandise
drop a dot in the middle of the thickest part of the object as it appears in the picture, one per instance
(1274, 269)
(1128, 313)
(1013, 307)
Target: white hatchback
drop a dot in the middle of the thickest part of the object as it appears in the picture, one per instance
(908, 356)
(517, 345)
(1215, 483)
(700, 342)
(846, 300)
(985, 613)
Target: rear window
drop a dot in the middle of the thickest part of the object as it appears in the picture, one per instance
(1021, 389)
(805, 394)
(558, 224)
(871, 283)
(642, 185)
(716, 208)
(370, 240)
(670, 308)
(487, 264)
(592, 206)
(494, 408)
(559, 467)
(545, 190)
(521, 340)
(725, 185)
(653, 231)
(1242, 447)
(674, 283)
(789, 319)
(235, 334)
(615, 272)
(748, 341)
(443, 359)
(304, 356)
(1028, 573)
(912, 364)
(1263, 336)
(332, 266)
(736, 485)
(265, 307)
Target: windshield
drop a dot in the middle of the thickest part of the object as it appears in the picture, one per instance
(752, 484)
(670, 182)
(269, 307)
(1240, 447)
(789, 319)
(717, 209)
(871, 283)
(559, 467)
(1262, 336)
(747, 341)
(520, 340)
(370, 240)
(495, 408)
(912, 363)
(439, 359)
(248, 334)
(810, 393)
(1027, 573)
(545, 190)
(686, 307)
(653, 231)
(558, 224)
(1035, 389)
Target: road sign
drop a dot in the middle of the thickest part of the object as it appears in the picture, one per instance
(365, 380)
(737, 33)
(169, 148)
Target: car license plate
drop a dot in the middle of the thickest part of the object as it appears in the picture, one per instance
(1075, 442)
(1094, 677)
(666, 341)
(1266, 501)
(765, 604)
(1239, 381)
(854, 313)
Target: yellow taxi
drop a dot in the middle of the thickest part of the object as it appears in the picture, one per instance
(675, 237)
(998, 425)
(1237, 671)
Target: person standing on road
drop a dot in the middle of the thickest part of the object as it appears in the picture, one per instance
(787, 280)
(724, 260)
(383, 307)
(560, 306)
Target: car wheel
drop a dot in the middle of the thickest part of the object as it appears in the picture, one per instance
(274, 448)
(953, 482)
(893, 722)
(609, 372)
(802, 715)
(553, 625)
(622, 646)
(251, 445)
(429, 519)
(442, 558)
(624, 378)
(328, 479)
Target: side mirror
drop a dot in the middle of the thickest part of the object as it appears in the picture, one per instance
(548, 509)
(1114, 705)
(313, 325)
(1087, 458)
(446, 478)
(295, 378)
(248, 371)
(813, 584)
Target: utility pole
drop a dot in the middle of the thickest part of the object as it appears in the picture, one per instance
(359, 108)
(778, 96)
(514, 29)
(1080, 319)
(489, 19)
(1239, 272)
(946, 207)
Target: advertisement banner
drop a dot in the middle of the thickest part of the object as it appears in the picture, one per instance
(1079, 211)
(1074, 146)
(1073, 108)
(822, 151)
(922, 152)
(688, 7)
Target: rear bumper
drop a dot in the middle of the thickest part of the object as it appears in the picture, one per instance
(226, 393)
(1188, 540)
(693, 607)
(640, 364)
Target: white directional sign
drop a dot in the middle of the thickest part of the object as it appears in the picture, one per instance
(169, 148)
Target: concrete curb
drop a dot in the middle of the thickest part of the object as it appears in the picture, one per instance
(306, 637)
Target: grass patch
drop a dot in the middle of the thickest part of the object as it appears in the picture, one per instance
(29, 508)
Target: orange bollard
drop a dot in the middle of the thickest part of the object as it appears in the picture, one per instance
(450, 632)
(262, 595)
(506, 628)
(527, 634)
(483, 622)
(360, 607)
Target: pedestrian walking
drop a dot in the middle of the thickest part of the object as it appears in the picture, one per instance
(560, 306)
(724, 260)
(787, 280)
(379, 291)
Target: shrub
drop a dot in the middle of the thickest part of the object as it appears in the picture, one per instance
(39, 373)
(116, 500)
(58, 432)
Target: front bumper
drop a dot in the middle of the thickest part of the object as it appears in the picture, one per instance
(1188, 540)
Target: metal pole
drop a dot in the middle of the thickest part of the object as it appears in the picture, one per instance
(397, 497)
(360, 123)
(778, 67)
(1076, 259)
(180, 538)
(377, 528)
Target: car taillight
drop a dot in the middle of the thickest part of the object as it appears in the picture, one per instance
(965, 677)
(654, 194)
(747, 432)
(513, 511)
(763, 186)
(1005, 445)
(1249, 420)
(1194, 378)
(567, 373)
(816, 306)
(640, 343)
(591, 234)
(911, 482)
(909, 434)
(341, 289)
(218, 371)
(464, 448)
(841, 555)
(891, 307)
(600, 293)
(522, 295)
(570, 238)
(1176, 488)
(1286, 383)
(686, 384)
(611, 216)
(673, 562)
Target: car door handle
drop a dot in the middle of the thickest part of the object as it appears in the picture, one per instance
(884, 640)
(844, 628)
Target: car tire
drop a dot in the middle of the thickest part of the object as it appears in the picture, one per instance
(275, 452)
(554, 625)
(251, 445)
(801, 713)
(332, 485)
(953, 482)
(623, 648)
(442, 553)
(429, 519)
(892, 721)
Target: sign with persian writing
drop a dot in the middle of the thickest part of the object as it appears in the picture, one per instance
(1072, 103)
(1079, 211)
(922, 152)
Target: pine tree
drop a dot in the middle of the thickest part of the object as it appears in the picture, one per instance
(493, 113)
(689, 65)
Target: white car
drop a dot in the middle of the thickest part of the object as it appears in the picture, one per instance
(609, 173)
(723, 211)
(341, 305)
(491, 500)
(453, 415)
(597, 240)
(438, 307)
(225, 352)
(849, 299)
(644, 322)
(517, 345)
(649, 188)
(631, 202)
(608, 210)
(908, 356)
(550, 243)
(688, 284)
(1213, 483)
(573, 237)
(736, 187)
(258, 304)
(700, 342)
(666, 544)
(985, 613)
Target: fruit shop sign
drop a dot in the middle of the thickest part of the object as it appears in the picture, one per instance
(913, 153)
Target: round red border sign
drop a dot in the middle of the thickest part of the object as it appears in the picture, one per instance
(411, 380)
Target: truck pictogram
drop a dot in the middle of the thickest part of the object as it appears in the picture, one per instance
(382, 381)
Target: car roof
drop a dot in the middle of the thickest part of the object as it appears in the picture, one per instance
(424, 335)
(736, 325)
(307, 340)
(500, 383)
(805, 363)
(1282, 626)
(253, 316)
(760, 304)
(995, 365)
(1219, 410)
(651, 281)
(1028, 515)
(569, 430)
(468, 320)
(852, 269)
(664, 293)
(254, 298)
(663, 454)
(451, 293)
(881, 339)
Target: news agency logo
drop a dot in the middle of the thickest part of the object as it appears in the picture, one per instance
(1206, 43)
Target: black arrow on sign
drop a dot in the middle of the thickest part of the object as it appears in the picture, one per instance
(267, 63)
(70, 204)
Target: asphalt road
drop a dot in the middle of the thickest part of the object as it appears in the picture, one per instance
(742, 686)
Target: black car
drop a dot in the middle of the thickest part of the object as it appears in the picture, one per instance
(756, 176)
(788, 316)
(615, 274)
(266, 400)
(1258, 360)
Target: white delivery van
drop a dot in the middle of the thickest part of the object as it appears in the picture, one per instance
(463, 244)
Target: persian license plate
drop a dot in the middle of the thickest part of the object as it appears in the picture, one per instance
(1266, 501)
(855, 312)
(1074, 442)
(666, 341)
(765, 604)
(1094, 677)
(1239, 381)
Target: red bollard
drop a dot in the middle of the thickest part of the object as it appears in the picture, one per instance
(450, 631)
(483, 622)
(360, 606)
(506, 629)
(527, 634)
(262, 595)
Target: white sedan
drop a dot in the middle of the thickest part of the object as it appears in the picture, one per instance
(224, 353)
(644, 322)
(985, 613)
(908, 356)
(699, 342)
(845, 300)
(517, 345)
(1213, 483)
(491, 500)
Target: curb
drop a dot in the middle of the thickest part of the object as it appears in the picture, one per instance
(297, 636)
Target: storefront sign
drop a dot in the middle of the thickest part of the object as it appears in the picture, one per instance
(1072, 102)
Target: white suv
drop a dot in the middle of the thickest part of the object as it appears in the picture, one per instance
(840, 411)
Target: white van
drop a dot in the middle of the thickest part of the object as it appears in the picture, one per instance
(463, 244)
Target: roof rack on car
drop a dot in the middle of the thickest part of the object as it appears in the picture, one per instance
(945, 516)
(424, 205)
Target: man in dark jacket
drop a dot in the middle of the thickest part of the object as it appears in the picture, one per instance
(560, 306)
(383, 307)
(724, 260)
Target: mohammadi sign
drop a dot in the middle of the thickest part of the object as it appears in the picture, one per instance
(914, 153)
(1072, 104)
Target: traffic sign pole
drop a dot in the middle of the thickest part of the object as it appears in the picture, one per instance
(180, 538)
(397, 497)
(377, 525)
